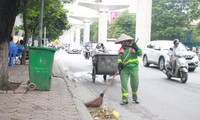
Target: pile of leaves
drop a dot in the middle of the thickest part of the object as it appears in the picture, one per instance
(104, 113)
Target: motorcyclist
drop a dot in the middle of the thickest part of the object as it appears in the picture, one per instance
(87, 50)
(174, 52)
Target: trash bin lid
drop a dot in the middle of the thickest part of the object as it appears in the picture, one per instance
(42, 48)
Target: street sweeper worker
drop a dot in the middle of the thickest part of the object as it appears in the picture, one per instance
(129, 67)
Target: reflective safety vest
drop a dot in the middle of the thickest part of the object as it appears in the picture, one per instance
(132, 59)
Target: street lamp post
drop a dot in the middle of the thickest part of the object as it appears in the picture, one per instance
(41, 22)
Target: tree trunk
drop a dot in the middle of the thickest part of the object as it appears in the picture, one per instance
(25, 3)
(4, 65)
(8, 12)
(33, 37)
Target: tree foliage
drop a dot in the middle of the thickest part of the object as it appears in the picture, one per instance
(68, 1)
(94, 31)
(196, 33)
(171, 18)
(9, 9)
(55, 18)
(124, 23)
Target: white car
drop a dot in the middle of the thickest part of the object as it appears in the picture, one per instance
(74, 49)
(156, 52)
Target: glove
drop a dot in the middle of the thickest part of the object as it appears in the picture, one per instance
(131, 50)
(120, 66)
(134, 46)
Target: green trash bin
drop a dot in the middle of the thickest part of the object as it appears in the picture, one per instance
(40, 67)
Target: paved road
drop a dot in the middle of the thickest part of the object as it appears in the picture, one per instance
(161, 99)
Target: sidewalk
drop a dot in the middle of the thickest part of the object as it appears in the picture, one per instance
(57, 104)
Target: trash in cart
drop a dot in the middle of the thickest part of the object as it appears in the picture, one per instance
(104, 64)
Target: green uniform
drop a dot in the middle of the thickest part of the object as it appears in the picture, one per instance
(130, 70)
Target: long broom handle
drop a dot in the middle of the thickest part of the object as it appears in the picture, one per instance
(104, 90)
(115, 75)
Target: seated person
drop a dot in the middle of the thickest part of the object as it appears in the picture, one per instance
(20, 47)
(12, 44)
(12, 52)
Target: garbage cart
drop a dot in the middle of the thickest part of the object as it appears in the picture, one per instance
(104, 64)
(40, 67)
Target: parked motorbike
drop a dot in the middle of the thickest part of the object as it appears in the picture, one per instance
(181, 69)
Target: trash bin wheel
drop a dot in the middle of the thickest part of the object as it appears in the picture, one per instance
(28, 82)
(104, 77)
(93, 74)
(31, 86)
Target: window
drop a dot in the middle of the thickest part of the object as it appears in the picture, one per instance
(150, 45)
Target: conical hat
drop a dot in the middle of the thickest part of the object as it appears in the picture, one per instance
(123, 37)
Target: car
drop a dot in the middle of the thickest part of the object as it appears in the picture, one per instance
(74, 49)
(156, 52)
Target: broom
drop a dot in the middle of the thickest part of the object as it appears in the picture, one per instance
(99, 100)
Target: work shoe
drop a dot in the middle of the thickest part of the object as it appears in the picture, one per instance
(123, 103)
(137, 102)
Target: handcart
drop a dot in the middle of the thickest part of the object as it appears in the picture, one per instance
(104, 64)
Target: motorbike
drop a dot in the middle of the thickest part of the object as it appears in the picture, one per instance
(181, 69)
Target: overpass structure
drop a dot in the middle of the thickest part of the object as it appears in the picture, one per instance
(103, 10)
(72, 36)
(87, 22)
(143, 22)
(143, 18)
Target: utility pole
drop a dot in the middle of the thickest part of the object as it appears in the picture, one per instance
(41, 22)
(45, 34)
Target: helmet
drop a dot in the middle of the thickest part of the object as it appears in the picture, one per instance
(176, 41)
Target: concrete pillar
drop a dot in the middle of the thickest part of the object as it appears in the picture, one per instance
(78, 35)
(63, 38)
(143, 22)
(103, 19)
(67, 37)
(72, 40)
(86, 34)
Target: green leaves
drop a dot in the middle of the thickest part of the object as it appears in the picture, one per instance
(55, 18)
(94, 31)
(170, 18)
(124, 23)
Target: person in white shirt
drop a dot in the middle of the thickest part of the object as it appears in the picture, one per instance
(174, 52)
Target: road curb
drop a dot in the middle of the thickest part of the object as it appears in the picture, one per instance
(82, 110)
